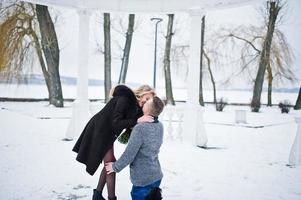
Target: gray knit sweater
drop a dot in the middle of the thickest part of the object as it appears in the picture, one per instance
(142, 154)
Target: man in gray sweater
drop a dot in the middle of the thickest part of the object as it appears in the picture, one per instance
(142, 152)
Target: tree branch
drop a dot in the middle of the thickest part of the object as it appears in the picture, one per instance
(245, 40)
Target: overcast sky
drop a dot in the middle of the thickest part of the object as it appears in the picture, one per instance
(142, 51)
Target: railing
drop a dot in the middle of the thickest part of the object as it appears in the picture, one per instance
(172, 118)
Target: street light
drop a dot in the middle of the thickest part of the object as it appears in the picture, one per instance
(157, 20)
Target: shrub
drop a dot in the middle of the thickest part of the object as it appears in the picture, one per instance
(220, 104)
(285, 106)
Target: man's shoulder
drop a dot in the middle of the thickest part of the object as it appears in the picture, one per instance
(142, 125)
(147, 126)
(139, 127)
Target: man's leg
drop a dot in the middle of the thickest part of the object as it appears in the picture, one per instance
(140, 193)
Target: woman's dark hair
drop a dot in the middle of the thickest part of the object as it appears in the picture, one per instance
(123, 90)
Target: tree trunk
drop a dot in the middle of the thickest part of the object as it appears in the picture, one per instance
(126, 50)
(211, 77)
(107, 55)
(168, 85)
(270, 82)
(265, 55)
(39, 52)
(201, 98)
(51, 52)
(298, 102)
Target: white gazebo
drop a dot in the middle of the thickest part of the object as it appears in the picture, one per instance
(194, 131)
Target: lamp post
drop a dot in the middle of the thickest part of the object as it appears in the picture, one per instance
(157, 20)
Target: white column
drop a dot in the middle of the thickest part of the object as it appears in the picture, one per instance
(81, 106)
(295, 155)
(194, 130)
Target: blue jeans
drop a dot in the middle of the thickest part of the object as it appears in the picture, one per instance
(139, 193)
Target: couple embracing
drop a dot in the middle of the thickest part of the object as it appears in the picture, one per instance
(137, 112)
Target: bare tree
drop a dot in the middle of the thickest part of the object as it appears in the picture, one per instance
(298, 101)
(19, 35)
(180, 61)
(126, 50)
(201, 96)
(51, 51)
(121, 27)
(168, 84)
(270, 83)
(269, 50)
(211, 76)
(274, 8)
(179, 58)
(107, 55)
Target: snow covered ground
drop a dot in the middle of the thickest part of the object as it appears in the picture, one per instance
(240, 163)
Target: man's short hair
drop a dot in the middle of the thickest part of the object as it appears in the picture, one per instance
(157, 106)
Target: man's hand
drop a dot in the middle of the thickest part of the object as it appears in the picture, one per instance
(109, 167)
(145, 118)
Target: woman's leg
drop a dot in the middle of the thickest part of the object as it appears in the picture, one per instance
(102, 180)
(108, 178)
(97, 193)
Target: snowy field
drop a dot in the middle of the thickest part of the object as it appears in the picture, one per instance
(241, 163)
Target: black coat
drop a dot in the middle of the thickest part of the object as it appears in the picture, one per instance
(121, 112)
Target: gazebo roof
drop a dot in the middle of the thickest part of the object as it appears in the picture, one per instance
(132, 6)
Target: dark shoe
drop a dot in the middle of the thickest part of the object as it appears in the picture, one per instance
(114, 198)
(97, 195)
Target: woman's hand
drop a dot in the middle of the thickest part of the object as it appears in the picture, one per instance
(145, 118)
(109, 167)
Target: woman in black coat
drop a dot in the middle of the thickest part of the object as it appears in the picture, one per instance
(95, 143)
